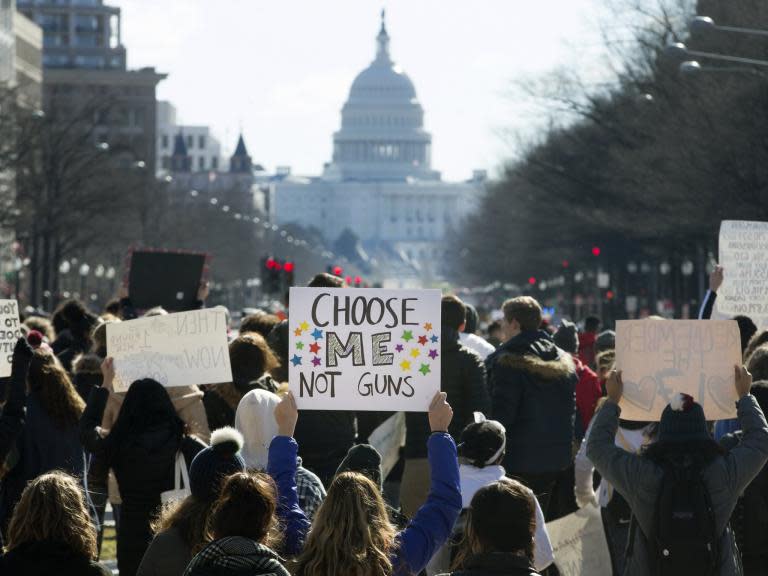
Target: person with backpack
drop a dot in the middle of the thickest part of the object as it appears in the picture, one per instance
(683, 488)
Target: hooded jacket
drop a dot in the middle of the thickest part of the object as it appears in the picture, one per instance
(639, 479)
(46, 558)
(532, 384)
(462, 378)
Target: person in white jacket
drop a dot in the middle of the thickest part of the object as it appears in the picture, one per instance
(481, 451)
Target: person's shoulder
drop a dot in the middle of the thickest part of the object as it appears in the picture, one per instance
(309, 478)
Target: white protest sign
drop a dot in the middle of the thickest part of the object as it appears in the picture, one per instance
(176, 350)
(744, 256)
(659, 358)
(387, 438)
(10, 332)
(364, 349)
(579, 543)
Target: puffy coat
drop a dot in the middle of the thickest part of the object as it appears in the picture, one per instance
(462, 378)
(532, 384)
(639, 480)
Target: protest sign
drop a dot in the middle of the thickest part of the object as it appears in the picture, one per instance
(364, 349)
(659, 358)
(167, 279)
(387, 438)
(744, 257)
(10, 332)
(579, 543)
(176, 350)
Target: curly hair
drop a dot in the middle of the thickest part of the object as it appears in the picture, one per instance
(190, 517)
(50, 384)
(52, 508)
(351, 533)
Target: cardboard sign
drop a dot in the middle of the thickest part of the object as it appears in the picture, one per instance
(167, 279)
(364, 349)
(387, 438)
(579, 543)
(10, 332)
(176, 350)
(744, 256)
(660, 358)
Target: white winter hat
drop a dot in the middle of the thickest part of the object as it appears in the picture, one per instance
(255, 419)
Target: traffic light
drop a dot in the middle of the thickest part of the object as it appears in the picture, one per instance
(289, 268)
(596, 250)
(270, 275)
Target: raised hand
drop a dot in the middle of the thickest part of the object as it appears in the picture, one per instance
(716, 278)
(440, 413)
(108, 373)
(614, 386)
(743, 381)
(286, 415)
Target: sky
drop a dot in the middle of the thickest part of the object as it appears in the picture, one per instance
(280, 70)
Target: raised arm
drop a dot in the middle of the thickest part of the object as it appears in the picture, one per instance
(281, 465)
(715, 281)
(432, 525)
(90, 421)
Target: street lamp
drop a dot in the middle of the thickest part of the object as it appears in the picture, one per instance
(679, 51)
(84, 270)
(703, 24)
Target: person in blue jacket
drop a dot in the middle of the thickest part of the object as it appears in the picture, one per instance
(351, 533)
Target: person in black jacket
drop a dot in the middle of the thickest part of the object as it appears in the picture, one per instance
(463, 379)
(501, 521)
(46, 438)
(75, 337)
(141, 448)
(532, 384)
(51, 531)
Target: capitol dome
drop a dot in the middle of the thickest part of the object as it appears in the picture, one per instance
(382, 134)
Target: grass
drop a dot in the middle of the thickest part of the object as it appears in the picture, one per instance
(109, 544)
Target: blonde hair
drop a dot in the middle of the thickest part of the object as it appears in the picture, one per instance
(51, 386)
(52, 507)
(351, 533)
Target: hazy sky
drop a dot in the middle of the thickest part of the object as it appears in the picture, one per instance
(281, 69)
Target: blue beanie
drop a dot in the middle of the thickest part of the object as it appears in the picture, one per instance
(215, 463)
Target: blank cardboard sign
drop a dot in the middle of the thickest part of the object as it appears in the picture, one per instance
(660, 358)
(166, 279)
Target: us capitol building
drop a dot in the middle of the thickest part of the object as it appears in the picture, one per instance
(380, 184)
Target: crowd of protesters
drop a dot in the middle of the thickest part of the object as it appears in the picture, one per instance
(527, 429)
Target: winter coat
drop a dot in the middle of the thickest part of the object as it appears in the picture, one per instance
(477, 344)
(496, 564)
(144, 468)
(588, 392)
(587, 348)
(325, 436)
(41, 445)
(532, 384)
(167, 555)
(236, 556)
(639, 479)
(48, 558)
(463, 380)
(433, 522)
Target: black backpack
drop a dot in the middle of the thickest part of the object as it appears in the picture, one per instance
(685, 539)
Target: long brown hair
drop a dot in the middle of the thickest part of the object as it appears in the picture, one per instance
(190, 517)
(500, 518)
(49, 383)
(351, 533)
(246, 507)
(52, 507)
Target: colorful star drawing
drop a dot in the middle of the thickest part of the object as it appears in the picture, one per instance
(296, 360)
(434, 339)
(297, 332)
(425, 369)
(304, 325)
(399, 347)
(428, 326)
(299, 345)
(314, 347)
(415, 352)
(317, 334)
(423, 340)
(405, 365)
(407, 335)
(315, 361)
(433, 354)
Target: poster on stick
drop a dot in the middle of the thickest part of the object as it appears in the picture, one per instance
(164, 278)
(388, 438)
(660, 358)
(744, 257)
(579, 544)
(364, 349)
(176, 350)
(10, 332)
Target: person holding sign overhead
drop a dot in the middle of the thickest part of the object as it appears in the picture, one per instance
(683, 488)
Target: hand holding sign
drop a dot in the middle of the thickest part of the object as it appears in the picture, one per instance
(743, 381)
(108, 374)
(614, 387)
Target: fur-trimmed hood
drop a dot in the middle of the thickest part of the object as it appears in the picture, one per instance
(535, 353)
